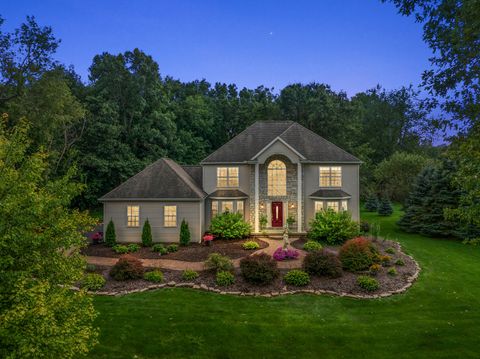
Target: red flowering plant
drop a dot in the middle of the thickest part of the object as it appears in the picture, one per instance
(97, 237)
(207, 238)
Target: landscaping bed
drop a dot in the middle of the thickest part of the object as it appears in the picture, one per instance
(194, 252)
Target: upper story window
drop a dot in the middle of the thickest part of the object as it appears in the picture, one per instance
(227, 177)
(330, 176)
(133, 216)
(277, 178)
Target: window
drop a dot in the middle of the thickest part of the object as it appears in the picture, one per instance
(170, 216)
(227, 206)
(227, 177)
(333, 205)
(240, 207)
(318, 206)
(277, 178)
(344, 206)
(214, 208)
(133, 216)
(330, 176)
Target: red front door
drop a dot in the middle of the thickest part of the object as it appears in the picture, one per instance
(277, 214)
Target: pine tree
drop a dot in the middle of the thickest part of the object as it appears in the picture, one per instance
(371, 204)
(385, 207)
(184, 233)
(110, 236)
(147, 234)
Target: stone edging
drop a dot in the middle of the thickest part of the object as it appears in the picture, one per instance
(410, 281)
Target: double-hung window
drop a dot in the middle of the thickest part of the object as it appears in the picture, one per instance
(214, 208)
(330, 176)
(133, 216)
(240, 207)
(227, 177)
(318, 206)
(227, 206)
(169, 216)
(333, 205)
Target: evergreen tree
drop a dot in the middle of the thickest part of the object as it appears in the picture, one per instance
(385, 207)
(147, 234)
(371, 204)
(184, 233)
(110, 236)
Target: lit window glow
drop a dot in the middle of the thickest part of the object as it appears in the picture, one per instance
(277, 178)
(170, 216)
(227, 206)
(227, 177)
(330, 176)
(214, 208)
(240, 207)
(333, 205)
(133, 216)
(318, 206)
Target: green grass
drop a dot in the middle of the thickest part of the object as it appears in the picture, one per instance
(437, 318)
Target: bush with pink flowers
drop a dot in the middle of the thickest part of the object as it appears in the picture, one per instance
(282, 254)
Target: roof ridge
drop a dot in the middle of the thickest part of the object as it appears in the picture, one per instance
(189, 181)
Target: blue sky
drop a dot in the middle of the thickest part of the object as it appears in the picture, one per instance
(351, 45)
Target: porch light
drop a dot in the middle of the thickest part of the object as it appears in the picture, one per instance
(292, 205)
(261, 205)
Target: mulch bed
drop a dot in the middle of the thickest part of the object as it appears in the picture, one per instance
(194, 252)
(345, 284)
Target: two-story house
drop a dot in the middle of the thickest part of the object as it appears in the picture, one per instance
(272, 170)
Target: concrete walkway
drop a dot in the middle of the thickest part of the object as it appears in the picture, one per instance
(199, 266)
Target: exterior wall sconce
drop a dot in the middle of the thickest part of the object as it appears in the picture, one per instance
(261, 205)
(292, 205)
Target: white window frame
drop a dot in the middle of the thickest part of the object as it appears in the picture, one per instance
(276, 178)
(170, 216)
(333, 205)
(332, 176)
(344, 205)
(241, 208)
(214, 208)
(318, 206)
(230, 208)
(230, 178)
(133, 216)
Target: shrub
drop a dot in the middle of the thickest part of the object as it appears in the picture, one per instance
(110, 236)
(154, 276)
(357, 254)
(332, 227)
(311, 246)
(224, 278)
(368, 283)
(390, 250)
(400, 262)
(159, 248)
(90, 268)
(172, 248)
(120, 249)
(385, 260)
(392, 272)
(385, 208)
(189, 274)
(371, 204)
(229, 226)
(184, 233)
(132, 247)
(93, 282)
(282, 254)
(322, 263)
(364, 227)
(375, 268)
(250, 245)
(217, 262)
(147, 234)
(297, 278)
(127, 267)
(259, 268)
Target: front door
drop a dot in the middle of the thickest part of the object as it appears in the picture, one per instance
(277, 214)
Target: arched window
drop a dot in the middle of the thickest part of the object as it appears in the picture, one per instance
(277, 178)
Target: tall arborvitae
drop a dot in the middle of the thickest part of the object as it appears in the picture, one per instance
(371, 204)
(385, 207)
(147, 234)
(110, 236)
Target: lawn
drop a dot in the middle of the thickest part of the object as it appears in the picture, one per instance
(438, 317)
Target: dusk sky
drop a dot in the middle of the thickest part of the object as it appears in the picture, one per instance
(351, 45)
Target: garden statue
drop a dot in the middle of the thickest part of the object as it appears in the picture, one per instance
(286, 241)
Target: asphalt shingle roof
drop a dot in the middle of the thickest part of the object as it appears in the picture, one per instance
(330, 193)
(228, 193)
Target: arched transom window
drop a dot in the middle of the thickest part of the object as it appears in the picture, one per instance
(277, 178)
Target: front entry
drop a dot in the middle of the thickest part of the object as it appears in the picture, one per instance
(277, 214)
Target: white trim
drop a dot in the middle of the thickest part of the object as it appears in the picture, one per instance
(256, 185)
(327, 198)
(299, 197)
(272, 142)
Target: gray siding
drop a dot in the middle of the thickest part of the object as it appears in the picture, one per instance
(210, 177)
(192, 212)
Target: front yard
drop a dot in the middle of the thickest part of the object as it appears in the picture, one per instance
(437, 317)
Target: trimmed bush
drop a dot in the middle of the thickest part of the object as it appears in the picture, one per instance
(224, 278)
(368, 283)
(132, 247)
(311, 246)
(357, 254)
(93, 282)
(371, 204)
(392, 272)
(390, 250)
(217, 262)
(385, 208)
(250, 245)
(120, 249)
(172, 248)
(184, 233)
(322, 263)
(229, 226)
(110, 236)
(259, 269)
(375, 268)
(159, 248)
(189, 274)
(155, 276)
(147, 234)
(400, 262)
(297, 277)
(332, 227)
(127, 267)
(385, 260)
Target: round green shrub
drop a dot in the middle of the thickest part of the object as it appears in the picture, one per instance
(311, 246)
(120, 249)
(333, 227)
(172, 248)
(375, 268)
(127, 267)
(259, 268)
(224, 278)
(217, 262)
(368, 283)
(154, 276)
(189, 274)
(322, 263)
(133, 247)
(357, 254)
(90, 268)
(390, 250)
(250, 245)
(297, 278)
(392, 272)
(93, 282)
(159, 248)
(229, 226)
(400, 262)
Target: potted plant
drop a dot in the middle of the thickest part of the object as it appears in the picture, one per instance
(207, 238)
